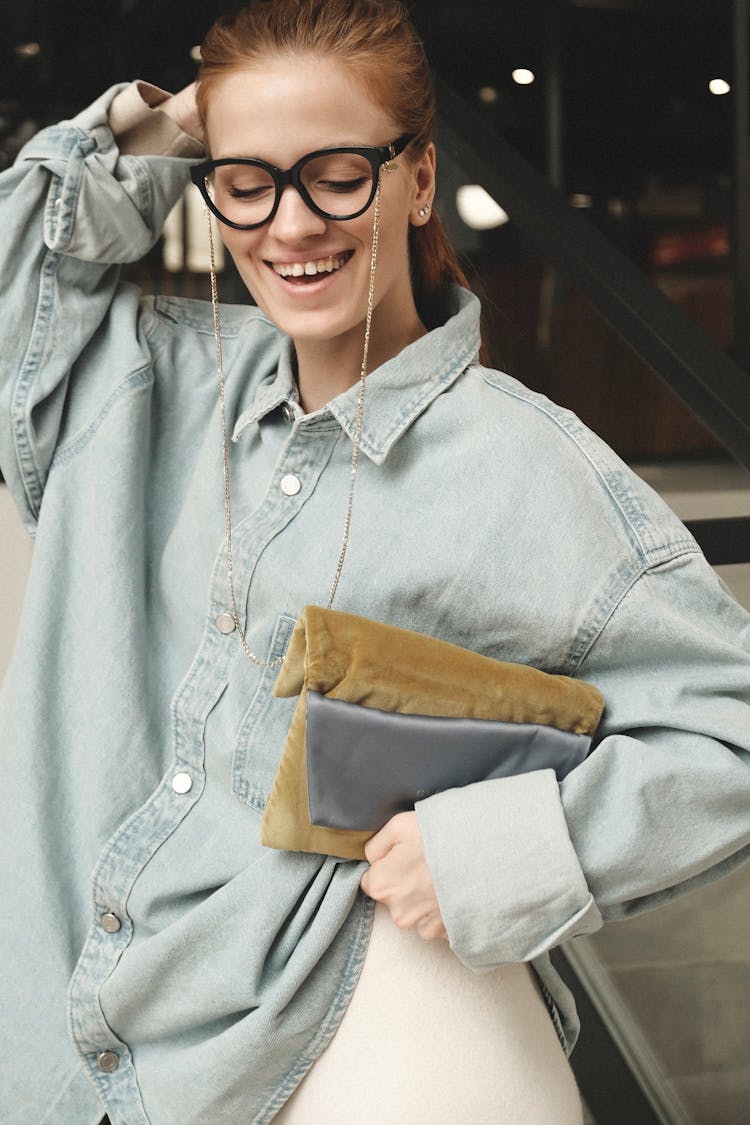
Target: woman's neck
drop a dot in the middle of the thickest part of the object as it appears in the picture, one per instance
(327, 368)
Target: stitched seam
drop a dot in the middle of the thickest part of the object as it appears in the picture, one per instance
(617, 501)
(177, 311)
(137, 380)
(30, 472)
(552, 1011)
(143, 181)
(587, 638)
(564, 430)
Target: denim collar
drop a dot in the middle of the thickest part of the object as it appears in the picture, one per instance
(397, 392)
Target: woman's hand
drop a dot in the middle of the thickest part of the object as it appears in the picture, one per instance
(398, 877)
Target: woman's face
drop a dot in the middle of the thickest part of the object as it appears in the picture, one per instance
(279, 111)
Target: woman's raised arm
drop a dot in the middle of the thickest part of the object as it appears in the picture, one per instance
(73, 208)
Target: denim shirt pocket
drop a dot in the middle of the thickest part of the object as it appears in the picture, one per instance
(263, 728)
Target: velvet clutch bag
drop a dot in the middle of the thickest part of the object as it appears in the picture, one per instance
(387, 717)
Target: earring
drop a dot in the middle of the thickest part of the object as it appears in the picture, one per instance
(423, 212)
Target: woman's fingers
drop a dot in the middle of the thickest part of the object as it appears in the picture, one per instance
(382, 842)
(398, 876)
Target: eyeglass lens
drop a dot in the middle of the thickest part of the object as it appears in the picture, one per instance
(338, 183)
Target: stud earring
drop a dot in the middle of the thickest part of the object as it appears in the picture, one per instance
(423, 212)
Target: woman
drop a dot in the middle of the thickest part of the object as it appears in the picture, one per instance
(167, 968)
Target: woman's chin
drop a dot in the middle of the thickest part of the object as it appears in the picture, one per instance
(314, 327)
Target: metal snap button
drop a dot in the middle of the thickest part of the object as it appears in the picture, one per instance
(225, 622)
(108, 1061)
(182, 783)
(290, 484)
(287, 413)
(110, 922)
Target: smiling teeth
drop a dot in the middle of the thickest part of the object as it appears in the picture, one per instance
(319, 265)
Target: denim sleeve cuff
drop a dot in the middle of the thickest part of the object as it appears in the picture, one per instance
(141, 129)
(507, 878)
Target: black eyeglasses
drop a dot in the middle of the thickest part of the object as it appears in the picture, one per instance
(335, 183)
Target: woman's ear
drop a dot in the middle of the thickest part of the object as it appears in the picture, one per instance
(424, 187)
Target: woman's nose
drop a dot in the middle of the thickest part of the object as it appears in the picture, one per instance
(294, 219)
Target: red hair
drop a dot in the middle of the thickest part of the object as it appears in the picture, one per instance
(377, 42)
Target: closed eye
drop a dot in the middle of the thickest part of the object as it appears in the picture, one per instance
(249, 193)
(343, 186)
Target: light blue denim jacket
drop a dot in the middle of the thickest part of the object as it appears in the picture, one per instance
(159, 962)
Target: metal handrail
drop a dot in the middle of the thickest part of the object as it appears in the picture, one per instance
(708, 381)
(724, 541)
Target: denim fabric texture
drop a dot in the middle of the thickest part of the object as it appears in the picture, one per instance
(139, 743)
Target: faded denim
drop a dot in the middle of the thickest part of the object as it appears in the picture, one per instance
(483, 515)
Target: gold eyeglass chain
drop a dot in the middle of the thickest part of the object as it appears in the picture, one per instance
(276, 663)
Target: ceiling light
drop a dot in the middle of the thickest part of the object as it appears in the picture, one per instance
(28, 50)
(478, 209)
(719, 86)
(487, 94)
(523, 77)
(581, 199)
(195, 53)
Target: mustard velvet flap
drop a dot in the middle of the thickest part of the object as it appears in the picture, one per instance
(360, 661)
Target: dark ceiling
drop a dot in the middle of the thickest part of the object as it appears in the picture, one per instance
(634, 73)
(634, 79)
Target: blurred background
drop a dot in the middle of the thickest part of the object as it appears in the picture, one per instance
(639, 137)
(593, 172)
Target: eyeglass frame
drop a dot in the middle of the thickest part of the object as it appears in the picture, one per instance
(377, 156)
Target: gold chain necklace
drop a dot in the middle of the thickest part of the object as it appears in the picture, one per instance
(225, 441)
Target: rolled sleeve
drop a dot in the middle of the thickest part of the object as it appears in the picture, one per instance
(141, 129)
(660, 806)
(102, 205)
(507, 877)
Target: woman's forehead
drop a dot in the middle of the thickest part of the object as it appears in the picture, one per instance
(282, 108)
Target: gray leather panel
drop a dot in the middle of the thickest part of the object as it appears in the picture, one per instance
(365, 765)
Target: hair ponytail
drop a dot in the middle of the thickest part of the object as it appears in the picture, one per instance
(433, 264)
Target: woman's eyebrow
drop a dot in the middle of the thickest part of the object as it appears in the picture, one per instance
(254, 155)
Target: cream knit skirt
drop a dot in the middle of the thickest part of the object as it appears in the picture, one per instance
(425, 1041)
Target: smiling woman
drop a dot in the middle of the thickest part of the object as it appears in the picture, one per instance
(282, 224)
(182, 972)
